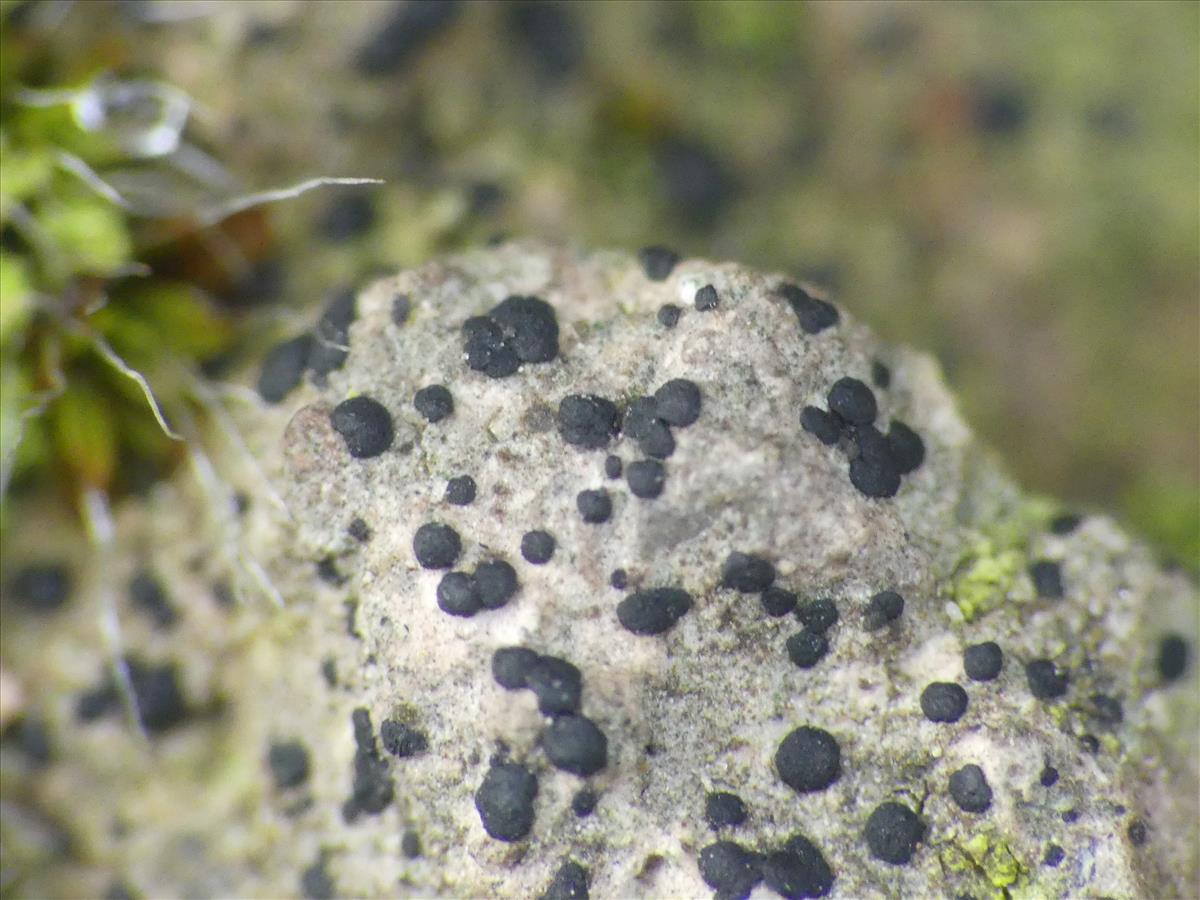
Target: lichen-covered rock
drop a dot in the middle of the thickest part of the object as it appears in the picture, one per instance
(703, 554)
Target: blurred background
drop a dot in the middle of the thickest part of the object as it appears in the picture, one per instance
(1013, 187)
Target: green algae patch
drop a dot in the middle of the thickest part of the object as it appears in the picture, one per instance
(990, 859)
(985, 578)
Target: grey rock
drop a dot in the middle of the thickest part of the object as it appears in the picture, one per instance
(700, 706)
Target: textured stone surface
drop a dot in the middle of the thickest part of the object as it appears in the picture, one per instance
(699, 707)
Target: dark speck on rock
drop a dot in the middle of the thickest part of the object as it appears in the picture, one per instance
(588, 421)
(1137, 833)
(1046, 682)
(401, 310)
(778, 602)
(557, 684)
(642, 423)
(668, 315)
(460, 491)
(678, 402)
(807, 648)
(372, 790)
(808, 759)
(653, 611)
(529, 326)
(943, 701)
(583, 804)
(41, 587)
(575, 744)
(657, 262)
(1049, 776)
(315, 883)
(707, 299)
(537, 547)
(881, 375)
(1172, 657)
(852, 401)
(730, 869)
(814, 315)
(723, 809)
(359, 530)
(288, 761)
(505, 801)
(410, 845)
(619, 579)
(496, 583)
(1107, 710)
(511, 665)
(570, 883)
(1047, 578)
(646, 478)
(487, 350)
(595, 506)
(982, 662)
(873, 470)
(458, 595)
(970, 789)
(1054, 855)
(283, 368)
(908, 450)
(434, 402)
(885, 607)
(797, 871)
(436, 546)
(824, 426)
(819, 615)
(364, 424)
(746, 573)
(612, 466)
(893, 832)
(401, 740)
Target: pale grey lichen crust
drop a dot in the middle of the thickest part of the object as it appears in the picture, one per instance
(194, 813)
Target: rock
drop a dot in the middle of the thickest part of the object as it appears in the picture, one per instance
(698, 697)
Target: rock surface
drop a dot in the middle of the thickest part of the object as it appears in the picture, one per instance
(355, 742)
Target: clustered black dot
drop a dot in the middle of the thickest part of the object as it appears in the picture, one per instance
(371, 790)
(434, 402)
(518, 330)
(1047, 578)
(982, 662)
(570, 883)
(657, 262)
(653, 611)
(706, 298)
(537, 547)
(572, 742)
(321, 351)
(970, 789)
(893, 832)
(490, 586)
(795, 870)
(943, 701)
(364, 424)
(814, 315)
(460, 491)
(877, 461)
